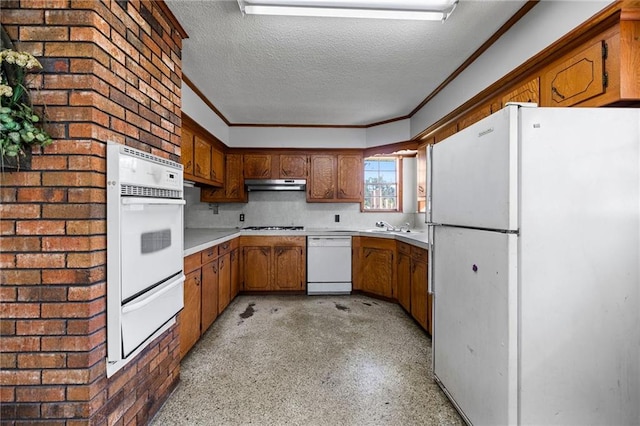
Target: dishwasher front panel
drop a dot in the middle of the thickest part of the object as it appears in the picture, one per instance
(328, 265)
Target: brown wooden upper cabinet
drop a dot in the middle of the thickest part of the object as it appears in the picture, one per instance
(186, 149)
(233, 190)
(257, 166)
(202, 158)
(576, 77)
(201, 155)
(350, 177)
(526, 92)
(322, 178)
(217, 166)
(275, 166)
(335, 178)
(293, 166)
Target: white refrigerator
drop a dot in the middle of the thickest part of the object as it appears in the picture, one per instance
(534, 218)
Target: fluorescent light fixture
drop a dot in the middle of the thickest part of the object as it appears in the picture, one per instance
(429, 10)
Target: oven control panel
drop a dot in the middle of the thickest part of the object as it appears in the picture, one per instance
(142, 172)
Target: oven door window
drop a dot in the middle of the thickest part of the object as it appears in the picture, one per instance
(151, 244)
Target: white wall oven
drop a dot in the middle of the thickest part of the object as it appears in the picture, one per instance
(144, 250)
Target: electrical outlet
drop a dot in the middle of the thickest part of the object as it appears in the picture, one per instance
(337, 218)
(241, 217)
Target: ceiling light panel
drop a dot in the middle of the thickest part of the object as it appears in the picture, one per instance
(434, 10)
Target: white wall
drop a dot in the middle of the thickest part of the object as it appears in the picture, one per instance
(544, 24)
(195, 108)
(296, 137)
(384, 134)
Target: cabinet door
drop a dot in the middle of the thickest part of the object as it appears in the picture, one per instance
(256, 268)
(202, 166)
(190, 314)
(527, 92)
(293, 166)
(257, 166)
(224, 282)
(322, 178)
(217, 166)
(233, 190)
(404, 281)
(377, 271)
(210, 277)
(575, 78)
(235, 273)
(186, 150)
(350, 180)
(419, 293)
(289, 268)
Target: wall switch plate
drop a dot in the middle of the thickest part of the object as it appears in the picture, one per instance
(337, 218)
(241, 217)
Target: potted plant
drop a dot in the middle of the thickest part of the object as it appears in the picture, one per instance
(20, 125)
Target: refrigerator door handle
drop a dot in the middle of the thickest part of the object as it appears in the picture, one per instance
(427, 215)
(430, 286)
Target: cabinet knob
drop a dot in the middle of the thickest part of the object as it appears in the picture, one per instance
(474, 268)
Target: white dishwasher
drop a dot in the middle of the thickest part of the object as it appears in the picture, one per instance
(328, 264)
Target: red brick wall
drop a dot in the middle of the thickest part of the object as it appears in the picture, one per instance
(112, 71)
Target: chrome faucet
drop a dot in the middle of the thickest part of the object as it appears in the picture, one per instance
(383, 224)
(389, 227)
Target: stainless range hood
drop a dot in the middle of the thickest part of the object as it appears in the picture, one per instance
(275, 184)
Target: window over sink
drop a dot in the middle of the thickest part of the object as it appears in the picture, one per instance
(382, 183)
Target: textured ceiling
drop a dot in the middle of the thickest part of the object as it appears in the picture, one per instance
(335, 71)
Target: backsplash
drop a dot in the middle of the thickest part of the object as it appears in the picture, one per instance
(285, 208)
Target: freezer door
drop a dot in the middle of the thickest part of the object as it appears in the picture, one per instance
(475, 322)
(473, 174)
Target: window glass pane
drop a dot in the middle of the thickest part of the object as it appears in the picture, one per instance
(381, 183)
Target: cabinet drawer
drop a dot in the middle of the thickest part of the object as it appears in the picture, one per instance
(226, 247)
(419, 254)
(192, 262)
(209, 254)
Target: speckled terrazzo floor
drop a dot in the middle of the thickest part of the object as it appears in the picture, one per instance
(301, 360)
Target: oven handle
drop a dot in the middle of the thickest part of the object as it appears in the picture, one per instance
(154, 296)
(140, 200)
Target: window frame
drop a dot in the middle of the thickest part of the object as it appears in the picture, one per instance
(399, 183)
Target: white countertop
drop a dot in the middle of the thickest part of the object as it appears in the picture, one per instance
(198, 239)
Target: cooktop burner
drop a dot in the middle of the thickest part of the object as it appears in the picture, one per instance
(274, 228)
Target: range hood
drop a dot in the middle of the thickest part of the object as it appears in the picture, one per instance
(275, 184)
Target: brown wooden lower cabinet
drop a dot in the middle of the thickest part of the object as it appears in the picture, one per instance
(190, 315)
(412, 283)
(273, 263)
(404, 276)
(209, 296)
(394, 270)
(211, 283)
(378, 268)
(419, 297)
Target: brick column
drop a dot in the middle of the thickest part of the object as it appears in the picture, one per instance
(112, 72)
